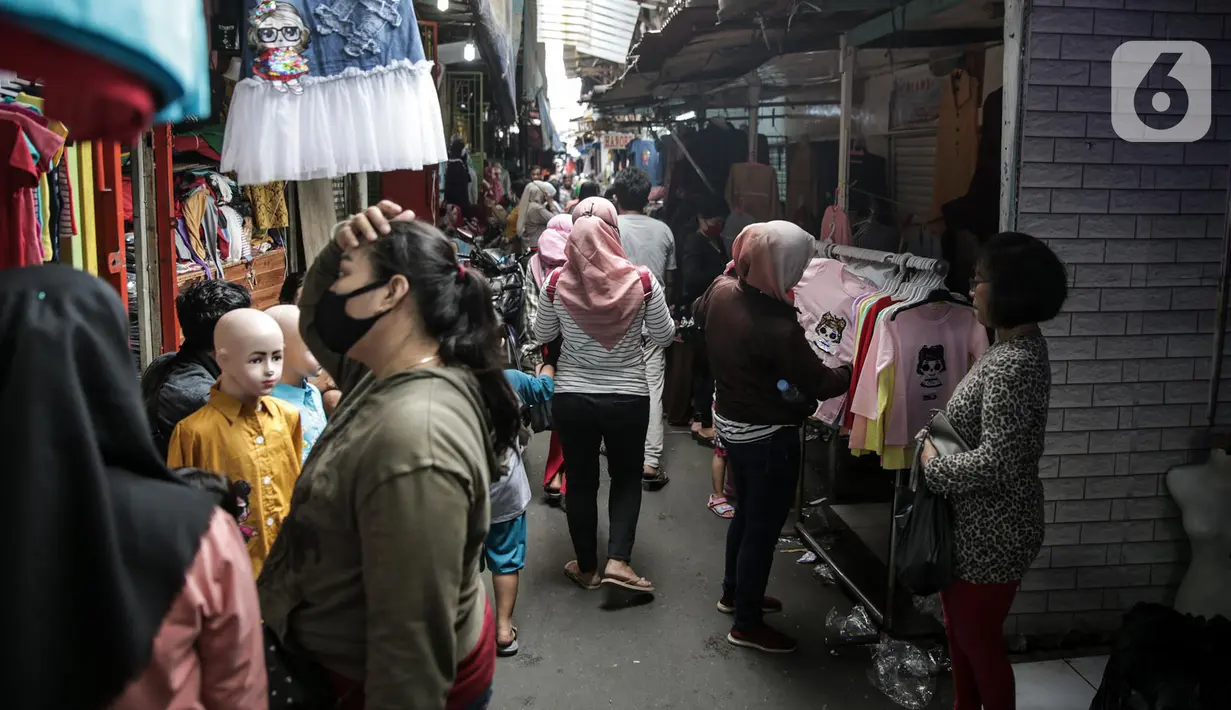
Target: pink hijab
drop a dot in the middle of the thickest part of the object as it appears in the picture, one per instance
(772, 257)
(551, 247)
(598, 286)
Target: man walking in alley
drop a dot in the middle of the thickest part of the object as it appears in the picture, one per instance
(647, 242)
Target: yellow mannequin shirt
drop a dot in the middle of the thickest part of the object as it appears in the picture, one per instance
(261, 444)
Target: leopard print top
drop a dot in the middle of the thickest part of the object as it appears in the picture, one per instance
(1000, 409)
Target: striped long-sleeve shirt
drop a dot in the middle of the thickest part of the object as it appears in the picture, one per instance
(585, 365)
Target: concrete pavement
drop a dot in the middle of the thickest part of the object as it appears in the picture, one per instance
(672, 653)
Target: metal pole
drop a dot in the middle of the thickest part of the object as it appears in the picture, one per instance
(164, 224)
(754, 103)
(145, 248)
(847, 67)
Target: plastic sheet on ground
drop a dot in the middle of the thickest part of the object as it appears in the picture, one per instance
(824, 573)
(849, 627)
(789, 542)
(807, 558)
(903, 673)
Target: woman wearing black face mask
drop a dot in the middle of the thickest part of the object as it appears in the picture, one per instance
(375, 574)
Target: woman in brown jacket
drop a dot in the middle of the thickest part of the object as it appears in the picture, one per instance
(754, 341)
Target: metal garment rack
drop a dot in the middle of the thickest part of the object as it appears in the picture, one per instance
(882, 611)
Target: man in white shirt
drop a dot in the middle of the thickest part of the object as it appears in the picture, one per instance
(647, 242)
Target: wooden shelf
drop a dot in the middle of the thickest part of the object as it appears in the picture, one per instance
(263, 277)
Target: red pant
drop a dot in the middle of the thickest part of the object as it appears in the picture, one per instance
(555, 463)
(974, 623)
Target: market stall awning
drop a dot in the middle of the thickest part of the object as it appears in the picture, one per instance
(599, 28)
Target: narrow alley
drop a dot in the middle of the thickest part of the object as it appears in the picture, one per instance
(672, 653)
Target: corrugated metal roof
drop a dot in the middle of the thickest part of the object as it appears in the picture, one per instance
(599, 28)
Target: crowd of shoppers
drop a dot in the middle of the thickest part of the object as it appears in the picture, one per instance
(372, 590)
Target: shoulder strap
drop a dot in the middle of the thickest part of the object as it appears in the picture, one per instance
(647, 285)
(550, 285)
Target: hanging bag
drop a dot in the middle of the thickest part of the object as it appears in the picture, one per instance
(924, 559)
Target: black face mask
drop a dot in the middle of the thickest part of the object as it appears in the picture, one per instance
(338, 330)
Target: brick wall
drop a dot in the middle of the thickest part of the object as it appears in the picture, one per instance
(1140, 227)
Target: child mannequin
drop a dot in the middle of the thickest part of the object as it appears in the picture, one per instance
(242, 432)
(298, 365)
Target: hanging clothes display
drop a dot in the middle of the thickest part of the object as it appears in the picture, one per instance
(957, 138)
(269, 210)
(111, 67)
(825, 298)
(25, 197)
(332, 87)
(916, 353)
(752, 188)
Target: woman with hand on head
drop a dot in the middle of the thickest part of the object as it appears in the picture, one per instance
(375, 574)
(600, 305)
(999, 408)
(131, 590)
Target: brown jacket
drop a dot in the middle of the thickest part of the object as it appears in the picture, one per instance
(753, 341)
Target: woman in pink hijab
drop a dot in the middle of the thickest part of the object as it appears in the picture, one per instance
(754, 341)
(551, 248)
(599, 303)
(550, 256)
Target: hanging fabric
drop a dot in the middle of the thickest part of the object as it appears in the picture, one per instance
(957, 139)
(835, 225)
(752, 188)
(111, 67)
(332, 87)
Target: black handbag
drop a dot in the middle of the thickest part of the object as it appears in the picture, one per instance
(924, 560)
(294, 680)
(540, 417)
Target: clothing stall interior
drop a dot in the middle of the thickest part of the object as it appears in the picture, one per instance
(924, 180)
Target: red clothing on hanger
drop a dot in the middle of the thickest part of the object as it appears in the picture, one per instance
(20, 236)
(96, 99)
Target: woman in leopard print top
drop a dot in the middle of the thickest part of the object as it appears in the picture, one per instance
(1000, 409)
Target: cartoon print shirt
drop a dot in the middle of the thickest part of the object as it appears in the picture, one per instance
(931, 348)
(825, 298)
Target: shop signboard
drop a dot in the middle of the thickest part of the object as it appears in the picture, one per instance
(617, 141)
(916, 99)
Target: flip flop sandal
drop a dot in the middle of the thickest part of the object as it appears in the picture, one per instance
(509, 650)
(721, 507)
(655, 482)
(622, 593)
(703, 440)
(576, 577)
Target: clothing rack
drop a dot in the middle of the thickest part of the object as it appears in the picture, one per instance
(870, 256)
(881, 610)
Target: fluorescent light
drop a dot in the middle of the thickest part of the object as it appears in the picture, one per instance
(469, 52)
(442, 5)
(686, 116)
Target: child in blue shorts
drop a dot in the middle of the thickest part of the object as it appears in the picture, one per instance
(505, 548)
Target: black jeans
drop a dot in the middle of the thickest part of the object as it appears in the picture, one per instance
(583, 422)
(765, 474)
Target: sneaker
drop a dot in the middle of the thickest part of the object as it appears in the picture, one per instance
(769, 605)
(763, 638)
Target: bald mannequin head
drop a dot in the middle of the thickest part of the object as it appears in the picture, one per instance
(298, 363)
(248, 345)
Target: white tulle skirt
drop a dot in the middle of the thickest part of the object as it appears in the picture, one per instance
(375, 121)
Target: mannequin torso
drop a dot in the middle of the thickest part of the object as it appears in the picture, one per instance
(243, 433)
(1203, 493)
